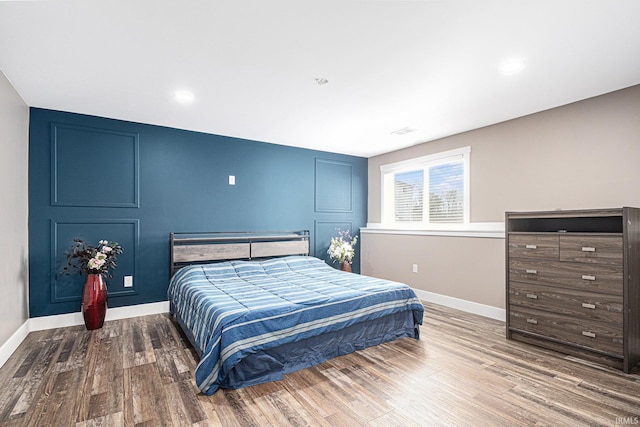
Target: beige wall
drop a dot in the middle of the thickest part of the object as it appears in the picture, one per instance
(14, 152)
(582, 155)
(466, 268)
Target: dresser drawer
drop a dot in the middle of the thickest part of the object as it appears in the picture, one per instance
(606, 279)
(534, 246)
(578, 304)
(591, 249)
(592, 334)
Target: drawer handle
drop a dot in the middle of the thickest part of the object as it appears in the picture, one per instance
(588, 249)
(533, 321)
(532, 296)
(588, 277)
(531, 271)
(531, 246)
(590, 306)
(588, 334)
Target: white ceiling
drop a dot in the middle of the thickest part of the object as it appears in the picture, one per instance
(425, 64)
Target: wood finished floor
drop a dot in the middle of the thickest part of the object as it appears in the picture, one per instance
(462, 372)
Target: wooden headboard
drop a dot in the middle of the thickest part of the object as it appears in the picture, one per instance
(193, 248)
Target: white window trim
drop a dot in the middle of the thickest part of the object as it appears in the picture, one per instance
(433, 159)
(494, 230)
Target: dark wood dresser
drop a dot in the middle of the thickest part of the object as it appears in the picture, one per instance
(573, 282)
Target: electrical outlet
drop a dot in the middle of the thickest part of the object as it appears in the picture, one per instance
(415, 268)
(128, 281)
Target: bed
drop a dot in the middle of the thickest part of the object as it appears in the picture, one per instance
(265, 308)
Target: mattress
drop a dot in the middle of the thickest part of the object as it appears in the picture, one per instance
(242, 314)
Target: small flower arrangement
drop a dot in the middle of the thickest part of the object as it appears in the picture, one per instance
(342, 247)
(93, 260)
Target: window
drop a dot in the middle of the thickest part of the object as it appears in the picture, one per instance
(427, 192)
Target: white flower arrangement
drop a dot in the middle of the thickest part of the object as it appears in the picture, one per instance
(93, 260)
(342, 247)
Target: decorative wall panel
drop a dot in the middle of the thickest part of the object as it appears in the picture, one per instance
(333, 186)
(93, 167)
(68, 287)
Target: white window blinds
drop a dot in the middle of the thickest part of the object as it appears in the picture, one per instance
(408, 189)
(446, 192)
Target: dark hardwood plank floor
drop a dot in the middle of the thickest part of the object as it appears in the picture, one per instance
(139, 372)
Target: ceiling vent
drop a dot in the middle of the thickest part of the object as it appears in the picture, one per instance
(403, 131)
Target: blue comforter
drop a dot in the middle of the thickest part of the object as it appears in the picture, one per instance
(236, 308)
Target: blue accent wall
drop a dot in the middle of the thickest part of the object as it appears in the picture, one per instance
(98, 178)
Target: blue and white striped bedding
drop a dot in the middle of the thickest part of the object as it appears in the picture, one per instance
(236, 308)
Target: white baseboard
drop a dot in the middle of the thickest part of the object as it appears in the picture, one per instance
(137, 310)
(73, 319)
(116, 313)
(7, 349)
(464, 305)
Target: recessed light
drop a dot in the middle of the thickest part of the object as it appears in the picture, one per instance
(512, 66)
(184, 96)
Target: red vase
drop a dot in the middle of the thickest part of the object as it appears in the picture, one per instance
(94, 301)
(345, 266)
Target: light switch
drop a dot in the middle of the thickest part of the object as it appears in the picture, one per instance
(232, 180)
